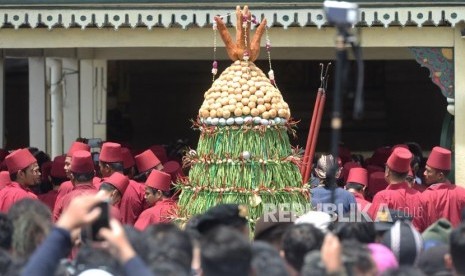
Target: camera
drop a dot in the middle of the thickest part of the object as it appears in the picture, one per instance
(94, 142)
(341, 14)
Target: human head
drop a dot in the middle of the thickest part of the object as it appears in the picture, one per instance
(82, 167)
(114, 187)
(438, 166)
(157, 186)
(145, 163)
(363, 232)
(270, 231)
(357, 180)
(75, 146)
(404, 241)
(23, 167)
(57, 173)
(169, 244)
(323, 168)
(32, 221)
(397, 165)
(298, 240)
(457, 249)
(232, 215)
(6, 232)
(266, 260)
(110, 159)
(226, 252)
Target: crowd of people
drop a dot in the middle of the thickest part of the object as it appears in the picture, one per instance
(395, 213)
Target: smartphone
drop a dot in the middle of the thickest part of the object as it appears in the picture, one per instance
(103, 221)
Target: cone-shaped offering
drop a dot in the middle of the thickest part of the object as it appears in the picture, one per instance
(243, 155)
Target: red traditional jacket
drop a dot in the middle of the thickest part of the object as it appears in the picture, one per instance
(443, 200)
(162, 212)
(78, 190)
(132, 202)
(400, 197)
(12, 193)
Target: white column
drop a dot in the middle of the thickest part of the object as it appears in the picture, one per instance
(459, 72)
(56, 106)
(93, 98)
(2, 104)
(70, 101)
(37, 98)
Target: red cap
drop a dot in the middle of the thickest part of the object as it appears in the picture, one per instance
(346, 169)
(380, 156)
(358, 175)
(111, 152)
(146, 160)
(119, 181)
(440, 158)
(58, 167)
(77, 146)
(159, 180)
(160, 153)
(128, 160)
(173, 168)
(399, 146)
(399, 161)
(19, 159)
(376, 183)
(81, 162)
(4, 178)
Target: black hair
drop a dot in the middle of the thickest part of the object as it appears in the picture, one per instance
(5, 261)
(363, 232)
(168, 244)
(56, 181)
(138, 242)
(83, 177)
(274, 235)
(226, 252)
(95, 258)
(32, 221)
(398, 175)
(14, 176)
(266, 260)
(457, 248)
(164, 193)
(356, 186)
(357, 258)
(115, 166)
(6, 232)
(298, 240)
(105, 186)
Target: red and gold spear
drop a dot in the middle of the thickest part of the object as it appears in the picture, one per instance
(314, 126)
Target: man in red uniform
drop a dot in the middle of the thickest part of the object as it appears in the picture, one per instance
(4, 179)
(132, 202)
(398, 195)
(441, 199)
(145, 163)
(68, 186)
(128, 163)
(113, 189)
(24, 172)
(82, 172)
(157, 191)
(56, 177)
(356, 183)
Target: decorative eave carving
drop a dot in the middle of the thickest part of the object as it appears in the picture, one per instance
(186, 18)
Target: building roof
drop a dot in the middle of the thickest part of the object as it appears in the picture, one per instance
(185, 14)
